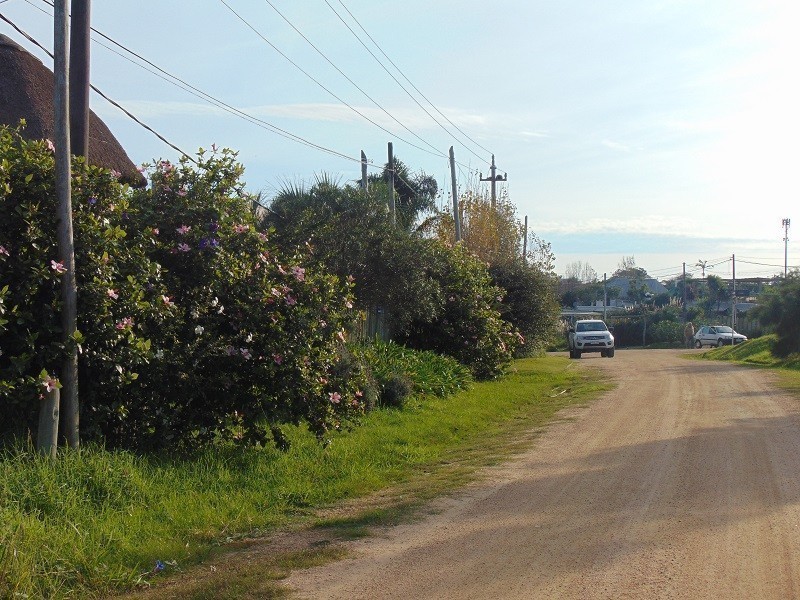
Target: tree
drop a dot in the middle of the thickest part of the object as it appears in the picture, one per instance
(492, 233)
(415, 194)
(627, 268)
(717, 292)
(779, 308)
(580, 271)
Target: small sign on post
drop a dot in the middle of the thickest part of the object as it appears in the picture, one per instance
(47, 437)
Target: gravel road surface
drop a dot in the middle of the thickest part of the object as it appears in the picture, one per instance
(683, 482)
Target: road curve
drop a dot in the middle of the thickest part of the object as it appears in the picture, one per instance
(680, 483)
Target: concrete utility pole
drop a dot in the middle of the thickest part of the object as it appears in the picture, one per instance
(364, 180)
(525, 242)
(605, 297)
(66, 249)
(494, 178)
(79, 78)
(391, 183)
(456, 212)
(684, 292)
(785, 224)
(733, 295)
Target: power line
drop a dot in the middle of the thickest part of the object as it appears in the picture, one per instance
(312, 78)
(114, 103)
(343, 74)
(198, 93)
(404, 76)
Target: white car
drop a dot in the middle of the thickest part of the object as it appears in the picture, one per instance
(717, 335)
(590, 335)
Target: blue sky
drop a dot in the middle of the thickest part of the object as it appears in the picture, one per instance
(665, 130)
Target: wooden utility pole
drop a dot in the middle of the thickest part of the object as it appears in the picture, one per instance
(391, 183)
(364, 180)
(494, 178)
(66, 250)
(456, 212)
(79, 78)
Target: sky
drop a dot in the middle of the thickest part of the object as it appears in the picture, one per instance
(663, 130)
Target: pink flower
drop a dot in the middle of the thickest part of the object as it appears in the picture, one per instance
(213, 147)
(348, 304)
(155, 231)
(125, 323)
(50, 383)
(115, 174)
(184, 247)
(231, 351)
(51, 146)
(167, 301)
(241, 228)
(4, 251)
(299, 273)
(335, 397)
(245, 353)
(350, 279)
(58, 267)
(262, 236)
(112, 294)
(281, 270)
(184, 229)
(359, 394)
(340, 335)
(277, 358)
(181, 192)
(291, 300)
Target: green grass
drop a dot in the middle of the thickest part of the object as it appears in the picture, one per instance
(94, 523)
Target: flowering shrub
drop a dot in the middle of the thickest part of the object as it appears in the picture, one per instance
(192, 324)
(118, 285)
(257, 336)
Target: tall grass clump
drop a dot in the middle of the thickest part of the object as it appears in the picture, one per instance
(399, 372)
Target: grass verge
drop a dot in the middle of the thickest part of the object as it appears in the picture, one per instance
(95, 523)
(758, 353)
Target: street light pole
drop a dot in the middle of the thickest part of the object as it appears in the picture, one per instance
(785, 224)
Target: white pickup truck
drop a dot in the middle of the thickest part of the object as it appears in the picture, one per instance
(590, 335)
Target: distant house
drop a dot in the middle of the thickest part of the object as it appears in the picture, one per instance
(26, 92)
(654, 288)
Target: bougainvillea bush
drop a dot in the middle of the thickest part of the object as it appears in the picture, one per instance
(192, 324)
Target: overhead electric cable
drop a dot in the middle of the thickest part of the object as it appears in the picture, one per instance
(198, 93)
(343, 74)
(312, 78)
(128, 113)
(406, 78)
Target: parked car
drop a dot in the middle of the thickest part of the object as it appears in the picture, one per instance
(590, 335)
(717, 335)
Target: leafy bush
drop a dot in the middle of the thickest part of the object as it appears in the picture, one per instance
(429, 373)
(193, 324)
(468, 325)
(119, 307)
(778, 309)
(530, 303)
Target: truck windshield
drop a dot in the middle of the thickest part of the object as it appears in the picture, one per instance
(593, 326)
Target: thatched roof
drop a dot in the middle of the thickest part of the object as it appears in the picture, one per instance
(26, 92)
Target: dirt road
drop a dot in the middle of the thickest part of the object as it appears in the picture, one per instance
(684, 482)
